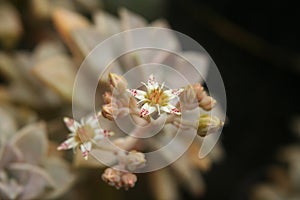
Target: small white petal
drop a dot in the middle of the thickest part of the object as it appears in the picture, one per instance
(171, 109)
(90, 120)
(139, 94)
(88, 146)
(94, 124)
(173, 93)
(102, 133)
(71, 124)
(98, 130)
(85, 149)
(152, 83)
(147, 110)
(68, 144)
(98, 137)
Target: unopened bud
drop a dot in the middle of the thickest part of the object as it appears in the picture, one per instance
(206, 102)
(135, 160)
(107, 111)
(128, 180)
(112, 177)
(118, 82)
(208, 124)
(107, 97)
(188, 98)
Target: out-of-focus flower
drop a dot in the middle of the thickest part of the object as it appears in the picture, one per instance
(120, 175)
(112, 177)
(119, 179)
(282, 181)
(128, 180)
(156, 98)
(83, 134)
(10, 27)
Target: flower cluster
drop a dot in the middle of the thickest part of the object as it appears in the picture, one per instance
(142, 104)
(120, 175)
(119, 179)
(42, 80)
(86, 133)
(156, 99)
(147, 106)
(83, 134)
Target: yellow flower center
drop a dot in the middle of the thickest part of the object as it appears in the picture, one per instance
(157, 96)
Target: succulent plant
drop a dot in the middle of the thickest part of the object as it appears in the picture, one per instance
(27, 169)
(41, 81)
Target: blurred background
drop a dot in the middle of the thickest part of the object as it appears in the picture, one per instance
(255, 45)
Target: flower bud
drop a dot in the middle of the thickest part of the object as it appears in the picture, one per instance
(118, 82)
(188, 98)
(112, 177)
(128, 180)
(206, 102)
(107, 111)
(135, 160)
(107, 97)
(208, 124)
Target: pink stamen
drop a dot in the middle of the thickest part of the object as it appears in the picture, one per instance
(174, 110)
(85, 153)
(144, 112)
(106, 133)
(151, 80)
(134, 92)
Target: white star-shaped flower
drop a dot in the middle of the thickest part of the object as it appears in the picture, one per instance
(156, 98)
(83, 134)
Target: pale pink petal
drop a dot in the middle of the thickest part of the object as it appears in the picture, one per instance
(68, 144)
(170, 109)
(71, 124)
(85, 149)
(152, 83)
(139, 94)
(32, 142)
(173, 93)
(88, 146)
(92, 121)
(98, 136)
(147, 110)
(103, 133)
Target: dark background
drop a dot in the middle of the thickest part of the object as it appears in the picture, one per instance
(257, 58)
